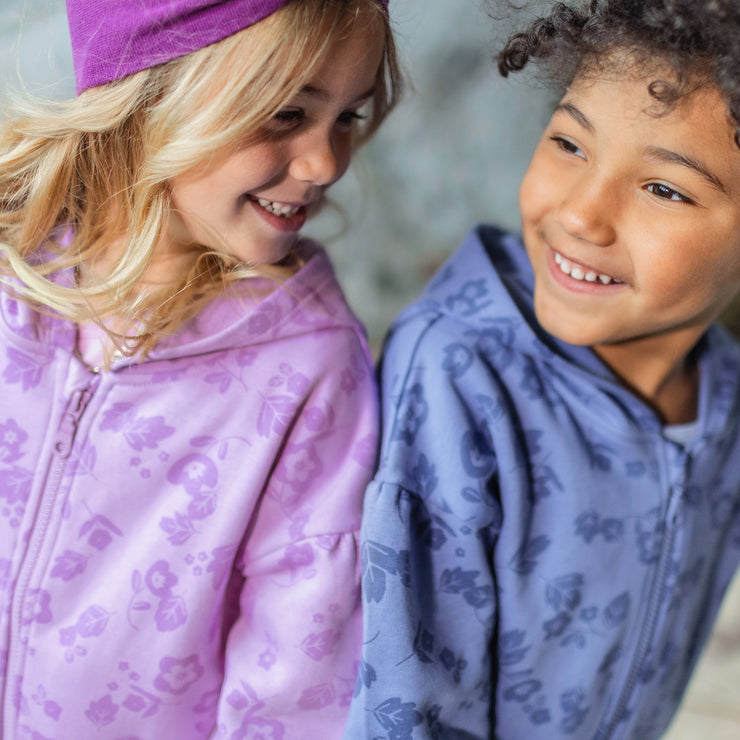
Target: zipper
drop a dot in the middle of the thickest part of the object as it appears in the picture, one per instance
(651, 619)
(62, 448)
(70, 420)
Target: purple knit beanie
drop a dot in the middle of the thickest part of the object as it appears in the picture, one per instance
(115, 38)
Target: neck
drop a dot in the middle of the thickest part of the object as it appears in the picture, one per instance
(660, 371)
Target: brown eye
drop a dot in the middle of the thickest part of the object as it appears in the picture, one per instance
(663, 191)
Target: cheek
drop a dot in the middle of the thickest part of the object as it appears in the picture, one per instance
(344, 152)
(533, 193)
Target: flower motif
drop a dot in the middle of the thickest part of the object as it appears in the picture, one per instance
(412, 414)
(469, 299)
(36, 607)
(194, 472)
(348, 383)
(100, 539)
(134, 703)
(522, 691)
(299, 466)
(267, 659)
(557, 625)
(262, 729)
(4, 573)
(588, 525)
(298, 384)
(160, 580)
(612, 529)
(297, 556)
(176, 676)
(458, 358)
(103, 711)
(11, 439)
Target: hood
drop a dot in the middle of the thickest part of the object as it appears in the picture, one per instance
(251, 312)
(488, 287)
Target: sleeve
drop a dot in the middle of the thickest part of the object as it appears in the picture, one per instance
(292, 654)
(429, 592)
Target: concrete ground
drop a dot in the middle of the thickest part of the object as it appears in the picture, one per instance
(711, 708)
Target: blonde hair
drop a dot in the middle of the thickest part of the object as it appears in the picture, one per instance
(79, 175)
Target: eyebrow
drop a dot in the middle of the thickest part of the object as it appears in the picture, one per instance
(666, 155)
(655, 152)
(576, 114)
(321, 94)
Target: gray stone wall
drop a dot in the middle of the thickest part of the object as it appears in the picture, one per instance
(452, 154)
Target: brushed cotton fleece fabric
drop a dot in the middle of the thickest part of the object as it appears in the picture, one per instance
(178, 536)
(540, 559)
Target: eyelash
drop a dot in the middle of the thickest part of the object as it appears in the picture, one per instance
(566, 145)
(679, 199)
(673, 195)
(294, 117)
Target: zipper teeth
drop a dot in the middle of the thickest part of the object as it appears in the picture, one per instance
(647, 634)
(16, 652)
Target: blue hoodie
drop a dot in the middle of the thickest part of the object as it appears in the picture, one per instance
(541, 557)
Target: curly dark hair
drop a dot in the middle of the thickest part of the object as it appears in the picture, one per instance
(698, 40)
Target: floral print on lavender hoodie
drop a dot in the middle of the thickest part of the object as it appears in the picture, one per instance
(178, 537)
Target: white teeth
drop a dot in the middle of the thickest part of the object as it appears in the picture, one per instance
(278, 209)
(578, 274)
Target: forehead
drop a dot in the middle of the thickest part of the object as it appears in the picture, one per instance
(631, 106)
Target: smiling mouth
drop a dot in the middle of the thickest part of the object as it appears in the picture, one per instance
(278, 209)
(577, 273)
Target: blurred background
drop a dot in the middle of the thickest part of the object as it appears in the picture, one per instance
(451, 155)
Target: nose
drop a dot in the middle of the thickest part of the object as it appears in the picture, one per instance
(320, 157)
(588, 209)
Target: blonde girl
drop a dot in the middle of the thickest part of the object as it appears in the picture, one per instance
(188, 413)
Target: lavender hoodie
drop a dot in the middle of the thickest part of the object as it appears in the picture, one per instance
(178, 537)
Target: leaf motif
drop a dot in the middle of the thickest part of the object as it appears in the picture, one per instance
(202, 506)
(23, 369)
(454, 581)
(617, 610)
(204, 441)
(393, 714)
(525, 560)
(511, 657)
(367, 674)
(264, 420)
(276, 414)
(93, 621)
(108, 524)
(381, 556)
(222, 380)
(373, 583)
(15, 484)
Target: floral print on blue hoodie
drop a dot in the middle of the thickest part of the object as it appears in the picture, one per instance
(541, 557)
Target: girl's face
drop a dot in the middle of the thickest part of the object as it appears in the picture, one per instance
(251, 201)
(631, 217)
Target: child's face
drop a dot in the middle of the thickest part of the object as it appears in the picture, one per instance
(252, 200)
(632, 220)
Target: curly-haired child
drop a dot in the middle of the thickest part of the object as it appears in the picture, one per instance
(555, 518)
